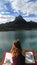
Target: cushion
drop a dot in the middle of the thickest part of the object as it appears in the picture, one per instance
(29, 57)
(7, 58)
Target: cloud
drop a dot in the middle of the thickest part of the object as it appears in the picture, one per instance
(24, 6)
(31, 18)
(4, 18)
(11, 8)
(5, 7)
(5, 12)
(2, 6)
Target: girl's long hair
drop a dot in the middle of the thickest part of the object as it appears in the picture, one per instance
(17, 44)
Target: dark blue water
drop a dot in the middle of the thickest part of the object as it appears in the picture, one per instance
(28, 39)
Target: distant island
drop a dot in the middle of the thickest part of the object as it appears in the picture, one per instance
(18, 24)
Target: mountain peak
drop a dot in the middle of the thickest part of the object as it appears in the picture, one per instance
(20, 18)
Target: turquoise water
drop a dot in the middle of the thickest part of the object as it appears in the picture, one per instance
(28, 39)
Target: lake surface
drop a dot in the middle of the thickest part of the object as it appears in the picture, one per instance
(28, 39)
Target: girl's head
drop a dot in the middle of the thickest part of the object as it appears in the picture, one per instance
(16, 46)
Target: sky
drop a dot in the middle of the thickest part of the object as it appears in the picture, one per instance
(9, 9)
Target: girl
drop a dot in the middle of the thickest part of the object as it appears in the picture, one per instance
(16, 51)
